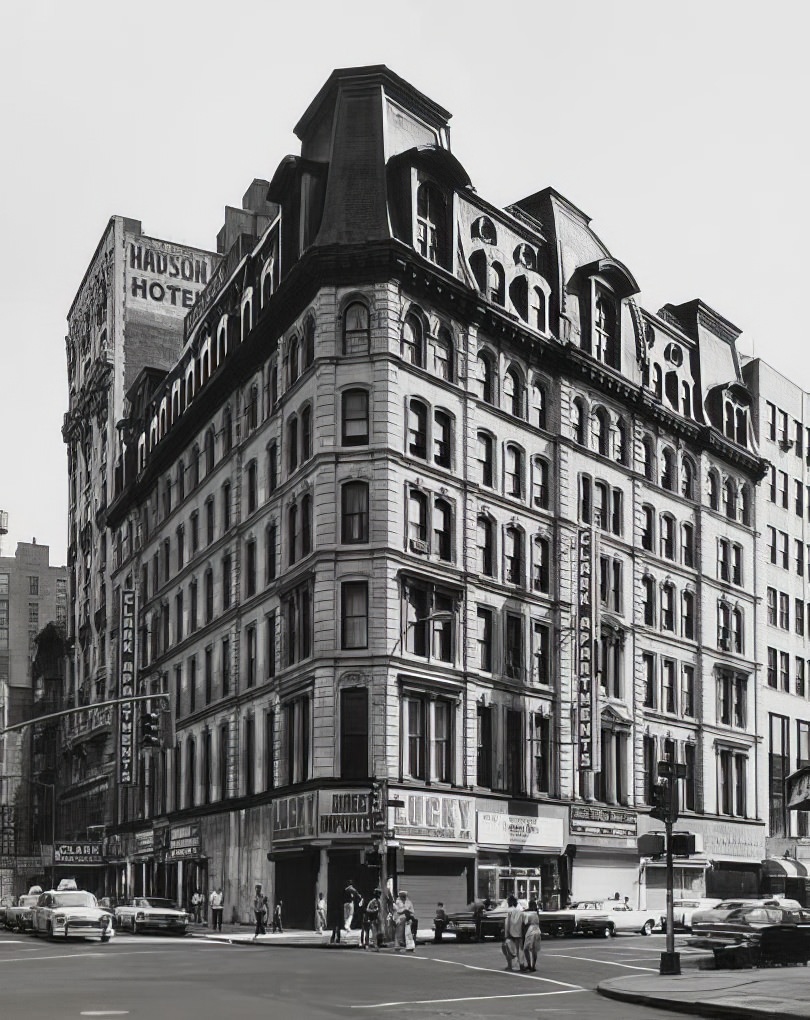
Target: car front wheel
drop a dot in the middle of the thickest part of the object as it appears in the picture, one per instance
(647, 927)
(609, 932)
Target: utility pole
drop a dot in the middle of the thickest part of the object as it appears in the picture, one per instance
(666, 809)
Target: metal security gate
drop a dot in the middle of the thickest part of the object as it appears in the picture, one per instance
(432, 880)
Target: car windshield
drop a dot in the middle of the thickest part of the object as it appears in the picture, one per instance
(74, 899)
(155, 901)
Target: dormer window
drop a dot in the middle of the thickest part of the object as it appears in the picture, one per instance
(431, 223)
(605, 332)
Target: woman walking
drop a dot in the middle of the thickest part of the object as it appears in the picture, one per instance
(532, 937)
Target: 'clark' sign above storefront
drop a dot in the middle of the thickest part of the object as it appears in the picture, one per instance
(77, 853)
(433, 816)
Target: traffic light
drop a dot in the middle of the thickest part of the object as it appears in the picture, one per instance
(660, 802)
(372, 859)
(150, 730)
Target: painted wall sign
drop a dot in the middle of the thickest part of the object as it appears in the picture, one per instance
(295, 817)
(587, 688)
(144, 843)
(520, 831)
(126, 689)
(586, 819)
(160, 274)
(184, 841)
(78, 853)
(344, 813)
(433, 816)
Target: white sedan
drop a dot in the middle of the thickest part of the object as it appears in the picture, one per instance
(620, 917)
(71, 914)
(152, 913)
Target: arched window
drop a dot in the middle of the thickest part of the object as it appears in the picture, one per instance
(306, 525)
(293, 366)
(292, 444)
(209, 451)
(486, 546)
(539, 400)
(306, 433)
(222, 340)
(443, 530)
(667, 606)
(292, 532)
(578, 421)
(605, 338)
(442, 439)
(227, 430)
(648, 458)
(687, 545)
(513, 471)
(486, 459)
(600, 429)
(417, 521)
(728, 419)
(496, 283)
(354, 513)
(667, 536)
(688, 615)
(539, 310)
(647, 528)
(181, 479)
(714, 490)
(746, 505)
(657, 381)
(443, 355)
(668, 469)
(195, 466)
(417, 429)
(519, 296)
(513, 555)
(541, 564)
(730, 499)
(309, 342)
(540, 488)
(253, 409)
(724, 626)
(741, 426)
(478, 265)
(648, 599)
(356, 329)
(620, 442)
(247, 315)
(412, 343)
(486, 377)
(267, 281)
(737, 636)
(687, 478)
(686, 400)
(431, 223)
(513, 391)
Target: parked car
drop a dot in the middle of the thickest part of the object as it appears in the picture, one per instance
(744, 925)
(20, 917)
(683, 910)
(721, 911)
(5, 903)
(478, 920)
(607, 917)
(71, 914)
(151, 913)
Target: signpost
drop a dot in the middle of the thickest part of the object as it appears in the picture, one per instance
(665, 809)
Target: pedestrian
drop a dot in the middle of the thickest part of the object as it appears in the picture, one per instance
(370, 933)
(260, 913)
(197, 905)
(320, 914)
(439, 922)
(351, 898)
(216, 909)
(531, 936)
(512, 944)
(616, 896)
(277, 919)
(402, 915)
(334, 914)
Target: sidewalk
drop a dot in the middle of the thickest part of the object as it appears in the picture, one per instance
(242, 934)
(772, 992)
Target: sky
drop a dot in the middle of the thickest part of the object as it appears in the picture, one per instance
(681, 129)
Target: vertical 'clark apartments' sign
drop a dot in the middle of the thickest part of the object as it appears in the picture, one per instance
(126, 729)
(585, 630)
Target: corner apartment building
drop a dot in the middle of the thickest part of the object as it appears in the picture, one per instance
(32, 594)
(428, 497)
(783, 432)
(127, 314)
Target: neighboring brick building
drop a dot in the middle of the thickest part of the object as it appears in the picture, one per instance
(363, 513)
(32, 594)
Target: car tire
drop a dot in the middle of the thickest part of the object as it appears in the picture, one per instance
(105, 938)
(608, 932)
(647, 927)
(136, 928)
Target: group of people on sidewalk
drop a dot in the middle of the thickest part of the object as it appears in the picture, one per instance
(521, 935)
(340, 917)
(215, 901)
(261, 911)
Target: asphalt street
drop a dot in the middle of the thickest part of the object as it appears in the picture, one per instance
(151, 978)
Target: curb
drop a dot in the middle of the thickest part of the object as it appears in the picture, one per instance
(696, 1008)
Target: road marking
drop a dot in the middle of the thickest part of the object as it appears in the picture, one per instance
(104, 1012)
(472, 998)
(500, 970)
(608, 963)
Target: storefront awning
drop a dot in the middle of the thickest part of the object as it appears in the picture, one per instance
(784, 867)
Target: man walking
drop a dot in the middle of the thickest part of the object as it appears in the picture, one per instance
(512, 944)
(369, 938)
(197, 905)
(260, 913)
(350, 897)
(215, 902)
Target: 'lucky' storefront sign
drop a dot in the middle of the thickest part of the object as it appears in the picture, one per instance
(433, 816)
